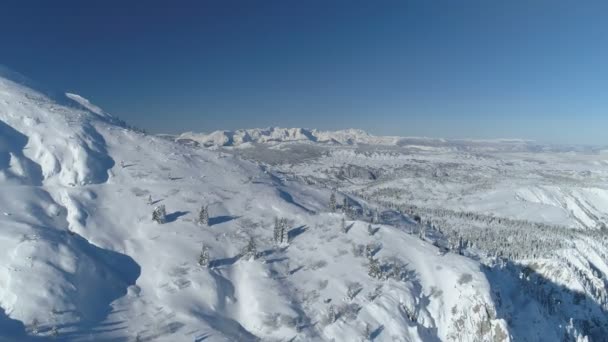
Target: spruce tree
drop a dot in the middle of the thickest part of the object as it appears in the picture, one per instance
(345, 205)
(374, 270)
(370, 230)
(250, 251)
(332, 202)
(203, 216)
(332, 316)
(280, 224)
(343, 226)
(375, 216)
(203, 258)
(159, 215)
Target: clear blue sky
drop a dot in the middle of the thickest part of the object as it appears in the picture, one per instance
(480, 69)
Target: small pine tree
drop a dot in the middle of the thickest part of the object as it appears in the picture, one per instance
(280, 224)
(203, 216)
(343, 226)
(375, 216)
(250, 251)
(367, 333)
(332, 202)
(203, 258)
(352, 290)
(374, 270)
(277, 230)
(332, 316)
(460, 246)
(345, 205)
(149, 199)
(159, 215)
(369, 250)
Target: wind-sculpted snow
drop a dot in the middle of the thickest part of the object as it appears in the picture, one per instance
(62, 141)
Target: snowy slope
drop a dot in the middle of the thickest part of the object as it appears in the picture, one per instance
(83, 261)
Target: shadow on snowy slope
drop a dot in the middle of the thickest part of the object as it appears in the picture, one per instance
(96, 288)
(13, 143)
(175, 215)
(99, 163)
(221, 219)
(530, 303)
(288, 198)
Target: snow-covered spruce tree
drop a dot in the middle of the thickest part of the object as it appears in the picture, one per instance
(332, 202)
(332, 315)
(280, 225)
(370, 230)
(370, 250)
(250, 251)
(343, 226)
(149, 199)
(159, 215)
(203, 216)
(421, 231)
(367, 333)
(373, 269)
(203, 258)
(345, 206)
(352, 290)
(276, 231)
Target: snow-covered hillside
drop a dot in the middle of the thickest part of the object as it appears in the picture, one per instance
(83, 260)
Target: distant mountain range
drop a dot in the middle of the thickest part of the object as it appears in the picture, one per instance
(354, 137)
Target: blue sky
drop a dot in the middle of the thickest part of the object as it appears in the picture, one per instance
(478, 69)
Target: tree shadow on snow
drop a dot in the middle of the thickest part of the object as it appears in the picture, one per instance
(376, 332)
(288, 198)
(224, 262)
(221, 219)
(175, 215)
(295, 232)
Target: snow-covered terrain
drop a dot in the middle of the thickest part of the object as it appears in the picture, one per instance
(84, 261)
(513, 205)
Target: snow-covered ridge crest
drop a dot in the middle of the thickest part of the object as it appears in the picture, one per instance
(46, 139)
(87, 105)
